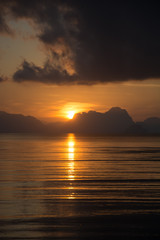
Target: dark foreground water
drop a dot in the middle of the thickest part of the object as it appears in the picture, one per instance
(79, 187)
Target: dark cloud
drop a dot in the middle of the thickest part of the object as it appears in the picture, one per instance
(46, 74)
(4, 28)
(92, 41)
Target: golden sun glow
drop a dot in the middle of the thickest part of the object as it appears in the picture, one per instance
(70, 114)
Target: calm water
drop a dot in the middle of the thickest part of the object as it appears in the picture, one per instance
(79, 187)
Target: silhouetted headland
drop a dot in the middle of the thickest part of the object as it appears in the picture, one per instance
(116, 121)
(17, 123)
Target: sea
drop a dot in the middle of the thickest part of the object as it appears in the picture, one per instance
(79, 187)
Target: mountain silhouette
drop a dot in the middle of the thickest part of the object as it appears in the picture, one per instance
(152, 125)
(116, 121)
(17, 123)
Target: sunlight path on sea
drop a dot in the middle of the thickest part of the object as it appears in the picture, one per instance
(71, 149)
(73, 187)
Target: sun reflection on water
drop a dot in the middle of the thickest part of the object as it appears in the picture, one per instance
(71, 163)
(71, 144)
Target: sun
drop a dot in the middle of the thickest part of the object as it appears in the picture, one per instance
(70, 114)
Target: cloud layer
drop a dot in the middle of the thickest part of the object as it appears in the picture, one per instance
(30, 72)
(89, 42)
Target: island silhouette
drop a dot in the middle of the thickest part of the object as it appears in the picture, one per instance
(116, 121)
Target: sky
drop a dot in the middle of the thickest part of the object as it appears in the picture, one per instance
(67, 55)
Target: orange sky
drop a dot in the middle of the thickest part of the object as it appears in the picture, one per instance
(53, 102)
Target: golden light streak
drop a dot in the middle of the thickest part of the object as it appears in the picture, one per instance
(71, 143)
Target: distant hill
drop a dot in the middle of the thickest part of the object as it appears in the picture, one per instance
(152, 125)
(116, 121)
(17, 123)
